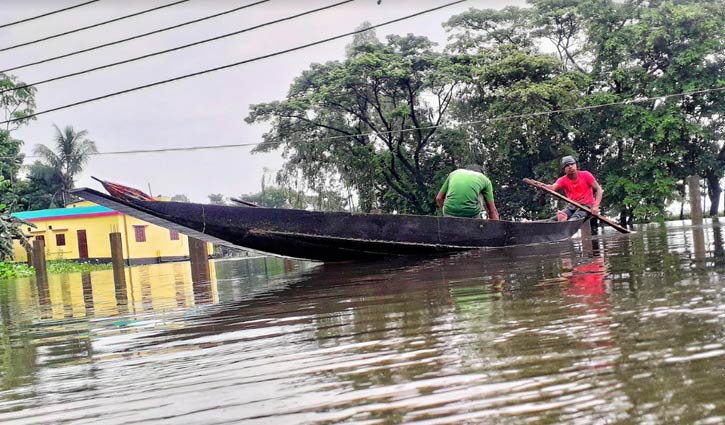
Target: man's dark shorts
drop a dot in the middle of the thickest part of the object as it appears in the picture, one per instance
(573, 213)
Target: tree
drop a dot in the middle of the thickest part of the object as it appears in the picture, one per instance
(217, 199)
(607, 52)
(15, 105)
(651, 50)
(375, 120)
(271, 197)
(361, 39)
(180, 198)
(42, 188)
(72, 151)
(9, 227)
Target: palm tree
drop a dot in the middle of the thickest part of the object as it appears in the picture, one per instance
(71, 153)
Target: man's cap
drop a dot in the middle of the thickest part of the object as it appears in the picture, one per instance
(567, 160)
(477, 168)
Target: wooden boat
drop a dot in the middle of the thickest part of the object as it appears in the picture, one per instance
(328, 236)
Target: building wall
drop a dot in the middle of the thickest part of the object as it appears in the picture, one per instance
(142, 242)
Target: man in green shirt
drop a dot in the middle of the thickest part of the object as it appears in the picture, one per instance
(464, 191)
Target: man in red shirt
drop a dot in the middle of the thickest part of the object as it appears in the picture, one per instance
(579, 186)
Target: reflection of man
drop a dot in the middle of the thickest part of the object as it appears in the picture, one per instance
(589, 302)
(588, 279)
(578, 186)
(464, 191)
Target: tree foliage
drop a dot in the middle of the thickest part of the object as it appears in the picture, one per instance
(607, 52)
(72, 151)
(180, 198)
(216, 199)
(15, 105)
(9, 226)
(373, 120)
(42, 188)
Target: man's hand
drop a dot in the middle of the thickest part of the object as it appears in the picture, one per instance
(595, 209)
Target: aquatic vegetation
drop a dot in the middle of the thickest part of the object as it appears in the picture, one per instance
(11, 270)
(65, 266)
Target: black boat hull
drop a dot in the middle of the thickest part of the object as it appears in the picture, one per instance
(334, 236)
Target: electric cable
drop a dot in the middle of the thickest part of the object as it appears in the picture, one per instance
(377, 133)
(92, 26)
(219, 68)
(135, 37)
(174, 49)
(46, 14)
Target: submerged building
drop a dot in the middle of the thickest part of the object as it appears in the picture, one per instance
(81, 232)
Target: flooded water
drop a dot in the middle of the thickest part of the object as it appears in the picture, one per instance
(617, 328)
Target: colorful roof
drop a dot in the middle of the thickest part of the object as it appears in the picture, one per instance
(55, 213)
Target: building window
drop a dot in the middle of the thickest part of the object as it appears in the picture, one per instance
(60, 239)
(40, 238)
(140, 232)
(174, 235)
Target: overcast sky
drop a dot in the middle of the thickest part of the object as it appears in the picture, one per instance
(200, 111)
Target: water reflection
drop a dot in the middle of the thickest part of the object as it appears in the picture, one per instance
(609, 328)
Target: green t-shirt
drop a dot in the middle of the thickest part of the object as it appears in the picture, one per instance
(462, 188)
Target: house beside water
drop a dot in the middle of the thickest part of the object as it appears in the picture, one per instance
(81, 232)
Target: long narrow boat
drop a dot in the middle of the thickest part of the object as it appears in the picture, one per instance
(328, 236)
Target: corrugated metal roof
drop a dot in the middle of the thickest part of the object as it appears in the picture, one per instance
(61, 212)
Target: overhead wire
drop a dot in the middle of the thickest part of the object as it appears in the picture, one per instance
(135, 37)
(378, 133)
(46, 14)
(219, 68)
(153, 9)
(174, 49)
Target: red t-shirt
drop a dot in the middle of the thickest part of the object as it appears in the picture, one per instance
(580, 190)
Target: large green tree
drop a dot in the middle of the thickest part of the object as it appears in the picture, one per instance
(608, 52)
(71, 152)
(651, 50)
(374, 120)
(16, 106)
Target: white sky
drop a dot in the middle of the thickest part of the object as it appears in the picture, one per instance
(199, 111)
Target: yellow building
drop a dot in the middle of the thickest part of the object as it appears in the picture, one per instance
(81, 232)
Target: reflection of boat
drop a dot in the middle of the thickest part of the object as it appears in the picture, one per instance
(331, 236)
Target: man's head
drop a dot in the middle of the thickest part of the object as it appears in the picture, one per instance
(567, 160)
(475, 167)
(568, 165)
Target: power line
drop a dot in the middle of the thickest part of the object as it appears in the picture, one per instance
(236, 9)
(92, 26)
(46, 14)
(196, 43)
(315, 43)
(378, 133)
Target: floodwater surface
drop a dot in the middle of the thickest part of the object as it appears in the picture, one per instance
(609, 329)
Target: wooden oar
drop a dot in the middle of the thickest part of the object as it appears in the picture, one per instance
(543, 187)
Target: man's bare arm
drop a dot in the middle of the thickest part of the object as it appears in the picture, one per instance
(440, 198)
(598, 194)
